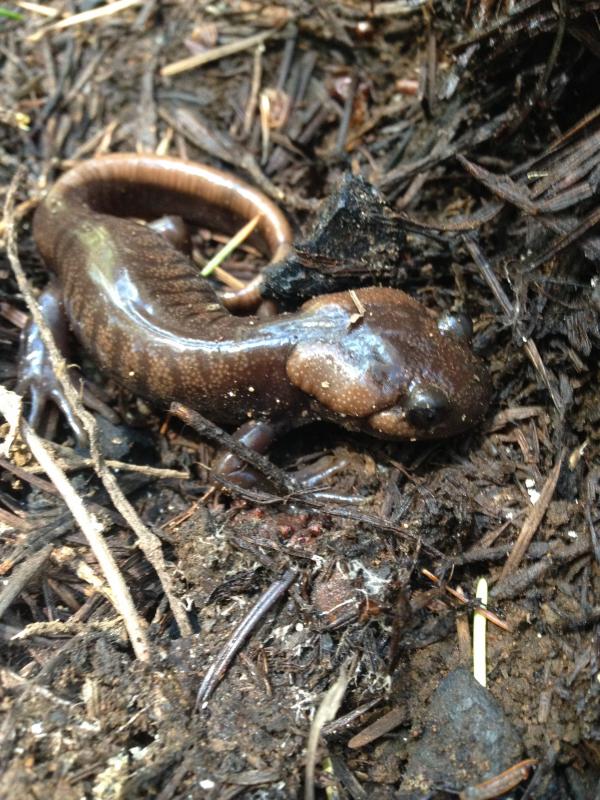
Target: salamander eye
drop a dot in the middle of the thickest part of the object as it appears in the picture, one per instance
(426, 406)
(458, 325)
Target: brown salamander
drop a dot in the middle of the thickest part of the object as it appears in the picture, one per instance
(373, 360)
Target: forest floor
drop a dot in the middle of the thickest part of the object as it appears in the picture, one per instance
(479, 126)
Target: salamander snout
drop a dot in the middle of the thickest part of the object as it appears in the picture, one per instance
(449, 391)
(431, 411)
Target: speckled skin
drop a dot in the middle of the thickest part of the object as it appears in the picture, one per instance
(148, 318)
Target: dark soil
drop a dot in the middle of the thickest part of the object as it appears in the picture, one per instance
(479, 126)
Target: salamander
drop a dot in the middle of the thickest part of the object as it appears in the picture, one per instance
(373, 360)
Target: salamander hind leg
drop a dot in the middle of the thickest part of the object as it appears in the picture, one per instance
(37, 378)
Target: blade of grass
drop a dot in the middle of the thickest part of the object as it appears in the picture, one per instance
(8, 14)
(231, 245)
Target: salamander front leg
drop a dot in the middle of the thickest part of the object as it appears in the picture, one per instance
(258, 436)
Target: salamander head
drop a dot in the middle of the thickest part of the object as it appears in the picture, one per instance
(383, 364)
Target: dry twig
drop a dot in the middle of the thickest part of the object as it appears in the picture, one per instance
(533, 520)
(148, 542)
(216, 53)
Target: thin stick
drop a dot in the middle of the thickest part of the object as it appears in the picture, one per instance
(342, 134)
(254, 89)
(77, 463)
(398, 8)
(229, 280)
(85, 16)
(530, 346)
(224, 658)
(92, 530)
(148, 542)
(533, 520)
(381, 726)
(215, 53)
(461, 597)
(37, 8)
(20, 211)
(25, 572)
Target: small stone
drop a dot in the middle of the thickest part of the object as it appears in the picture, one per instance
(467, 739)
